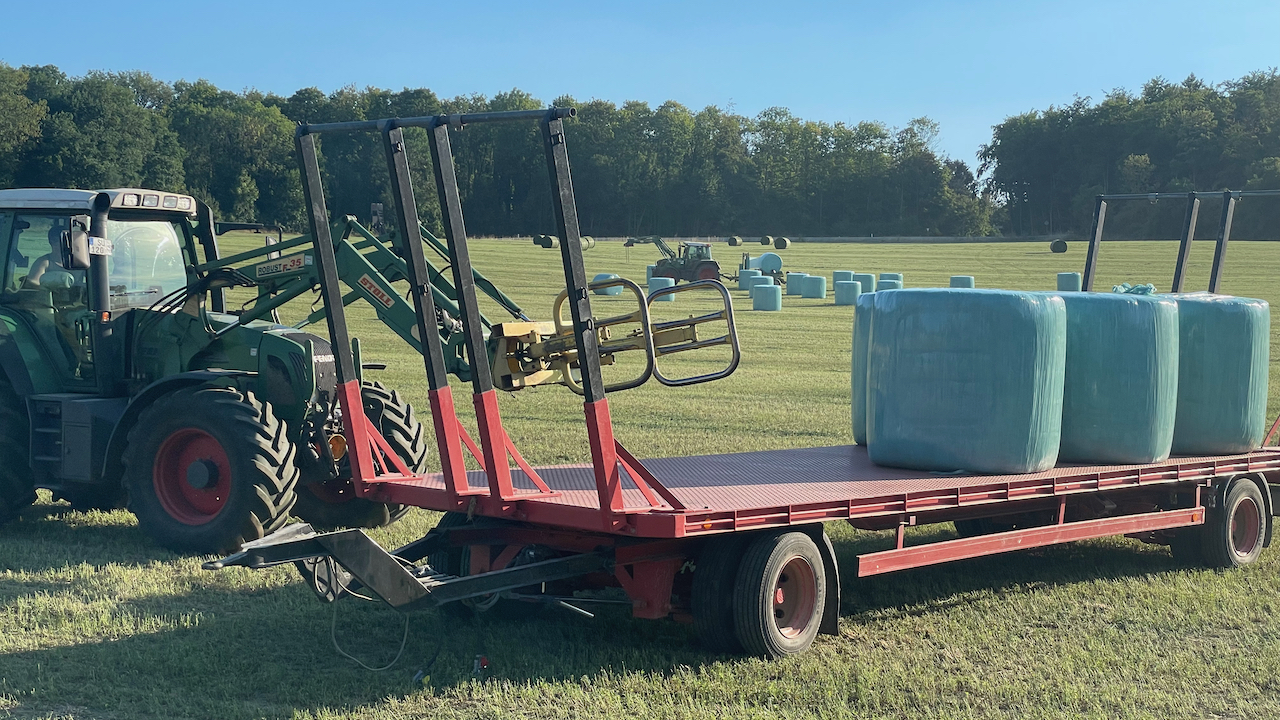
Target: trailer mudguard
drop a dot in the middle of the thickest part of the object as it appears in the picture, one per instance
(113, 464)
(831, 611)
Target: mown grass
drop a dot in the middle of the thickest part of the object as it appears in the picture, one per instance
(97, 623)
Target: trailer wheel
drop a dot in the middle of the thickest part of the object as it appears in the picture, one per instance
(334, 503)
(1186, 545)
(714, 576)
(208, 469)
(779, 594)
(1233, 533)
(16, 488)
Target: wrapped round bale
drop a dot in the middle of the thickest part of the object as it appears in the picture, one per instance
(1224, 345)
(966, 380)
(841, 276)
(744, 278)
(648, 272)
(868, 281)
(891, 276)
(847, 292)
(615, 290)
(890, 285)
(766, 297)
(658, 283)
(863, 311)
(768, 263)
(1120, 393)
(1069, 282)
(756, 282)
(962, 281)
(813, 287)
(793, 282)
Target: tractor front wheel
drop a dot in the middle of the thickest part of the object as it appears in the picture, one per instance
(208, 469)
(16, 488)
(334, 503)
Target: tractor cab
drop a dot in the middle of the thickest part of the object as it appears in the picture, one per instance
(47, 291)
(695, 251)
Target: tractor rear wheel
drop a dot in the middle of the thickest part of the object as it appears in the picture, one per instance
(16, 488)
(208, 469)
(334, 503)
(707, 271)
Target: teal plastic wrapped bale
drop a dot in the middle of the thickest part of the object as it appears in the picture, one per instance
(962, 281)
(768, 263)
(756, 282)
(1120, 394)
(1224, 345)
(868, 281)
(658, 283)
(744, 276)
(841, 276)
(1069, 282)
(966, 380)
(891, 276)
(889, 285)
(863, 311)
(847, 292)
(615, 290)
(648, 272)
(814, 287)
(793, 282)
(766, 297)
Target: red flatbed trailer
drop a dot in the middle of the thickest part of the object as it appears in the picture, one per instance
(733, 542)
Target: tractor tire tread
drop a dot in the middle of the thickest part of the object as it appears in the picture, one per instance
(268, 450)
(17, 491)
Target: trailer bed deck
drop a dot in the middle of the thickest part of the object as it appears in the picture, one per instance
(717, 493)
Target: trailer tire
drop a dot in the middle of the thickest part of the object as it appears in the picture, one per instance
(1234, 531)
(227, 433)
(714, 577)
(17, 491)
(973, 527)
(333, 503)
(779, 595)
(1186, 545)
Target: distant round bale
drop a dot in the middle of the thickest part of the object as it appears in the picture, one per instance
(962, 281)
(781, 243)
(766, 240)
(847, 292)
(767, 297)
(890, 285)
(588, 242)
(744, 278)
(793, 282)
(814, 287)
(658, 283)
(841, 276)
(615, 290)
(1058, 246)
(758, 282)
(734, 241)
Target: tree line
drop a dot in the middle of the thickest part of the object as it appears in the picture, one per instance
(639, 169)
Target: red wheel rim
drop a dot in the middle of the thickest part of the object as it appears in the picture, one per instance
(795, 595)
(183, 501)
(1246, 529)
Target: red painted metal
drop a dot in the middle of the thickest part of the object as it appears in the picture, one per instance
(648, 584)
(356, 430)
(604, 458)
(493, 441)
(449, 436)
(184, 502)
(912, 557)
(642, 477)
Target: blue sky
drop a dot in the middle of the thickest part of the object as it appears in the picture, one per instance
(966, 65)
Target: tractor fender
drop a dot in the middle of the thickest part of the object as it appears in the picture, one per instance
(113, 463)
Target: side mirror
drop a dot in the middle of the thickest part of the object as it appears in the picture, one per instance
(75, 245)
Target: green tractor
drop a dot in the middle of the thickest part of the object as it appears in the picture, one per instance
(691, 263)
(125, 378)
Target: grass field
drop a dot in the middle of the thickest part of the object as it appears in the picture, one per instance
(97, 623)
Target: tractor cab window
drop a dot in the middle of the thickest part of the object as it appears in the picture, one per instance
(54, 298)
(35, 256)
(146, 261)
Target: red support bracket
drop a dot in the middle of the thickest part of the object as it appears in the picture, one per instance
(919, 556)
(1266, 442)
(604, 458)
(648, 584)
(645, 480)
